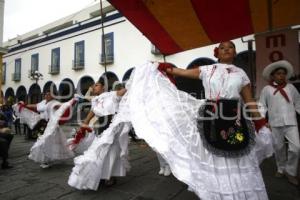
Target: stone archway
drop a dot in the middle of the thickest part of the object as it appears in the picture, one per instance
(84, 84)
(192, 86)
(127, 74)
(110, 80)
(21, 94)
(9, 95)
(34, 94)
(49, 86)
(66, 90)
(243, 61)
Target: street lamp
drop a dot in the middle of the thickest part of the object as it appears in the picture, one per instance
(35, 75)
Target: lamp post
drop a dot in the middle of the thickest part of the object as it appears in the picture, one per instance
(36, 75)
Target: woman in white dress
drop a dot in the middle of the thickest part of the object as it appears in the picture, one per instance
(221, 171)
(106, 157)
(52, 145)
(167, 119)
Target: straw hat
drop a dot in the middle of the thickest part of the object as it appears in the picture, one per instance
(275, 65)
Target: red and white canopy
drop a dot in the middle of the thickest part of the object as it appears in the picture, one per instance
(178, 25)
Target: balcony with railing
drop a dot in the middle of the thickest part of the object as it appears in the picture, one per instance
(109, 58)
(78, 64)
(54, 69)
(16, 76)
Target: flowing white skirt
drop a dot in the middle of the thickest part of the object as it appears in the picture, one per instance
(52, 145)
(106, 157)
(166, 119)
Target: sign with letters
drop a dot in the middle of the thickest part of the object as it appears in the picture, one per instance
(275, 46)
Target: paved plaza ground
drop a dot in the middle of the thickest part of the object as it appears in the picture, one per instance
(28, 181)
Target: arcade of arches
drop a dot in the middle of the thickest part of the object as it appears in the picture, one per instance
(66, 88)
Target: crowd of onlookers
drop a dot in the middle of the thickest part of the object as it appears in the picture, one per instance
(6, 136)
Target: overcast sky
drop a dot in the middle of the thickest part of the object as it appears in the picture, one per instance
(22, 16)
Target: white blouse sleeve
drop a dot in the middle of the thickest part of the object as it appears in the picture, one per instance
(203, 71)
(245, 78)
(105, 104)
(296, 98)
(41, 107)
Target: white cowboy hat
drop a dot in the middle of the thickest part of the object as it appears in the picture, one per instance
(279, 64)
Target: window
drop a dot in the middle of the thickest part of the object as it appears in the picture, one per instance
(55, 61)
(34, 62)
(107, 54)
(17, 74)
(3, 73)
(78, 62)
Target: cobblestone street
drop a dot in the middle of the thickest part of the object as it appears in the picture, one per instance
(28, 181)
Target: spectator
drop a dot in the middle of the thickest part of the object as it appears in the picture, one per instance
(281, 100)
(5, 140)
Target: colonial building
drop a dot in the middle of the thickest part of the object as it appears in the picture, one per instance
(70, 53)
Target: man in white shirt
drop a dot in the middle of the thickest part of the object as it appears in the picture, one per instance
(281, 100)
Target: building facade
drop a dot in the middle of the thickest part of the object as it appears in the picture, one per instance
(72, 53)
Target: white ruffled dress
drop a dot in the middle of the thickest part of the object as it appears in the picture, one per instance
(52, 145)
(166, 119)
(107, 155)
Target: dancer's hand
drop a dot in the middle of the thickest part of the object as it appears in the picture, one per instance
(22, 105)
(259, 123)
(81, 133)
(86, 129)
(166, 69)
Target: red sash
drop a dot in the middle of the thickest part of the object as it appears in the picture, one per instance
(281, 90)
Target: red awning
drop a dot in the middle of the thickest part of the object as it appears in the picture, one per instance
(178, 25)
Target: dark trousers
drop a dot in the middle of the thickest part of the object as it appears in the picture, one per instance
(5, 140)
(17, 126)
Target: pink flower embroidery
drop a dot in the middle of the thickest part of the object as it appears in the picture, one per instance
(224, 134)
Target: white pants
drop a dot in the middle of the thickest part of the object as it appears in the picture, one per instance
(288, 164)
(162, 162)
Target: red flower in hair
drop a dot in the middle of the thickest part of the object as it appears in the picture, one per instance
(216, 52)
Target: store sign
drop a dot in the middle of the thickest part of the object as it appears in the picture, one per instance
(275, 46)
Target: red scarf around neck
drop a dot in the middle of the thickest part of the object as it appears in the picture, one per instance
(281, 90)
